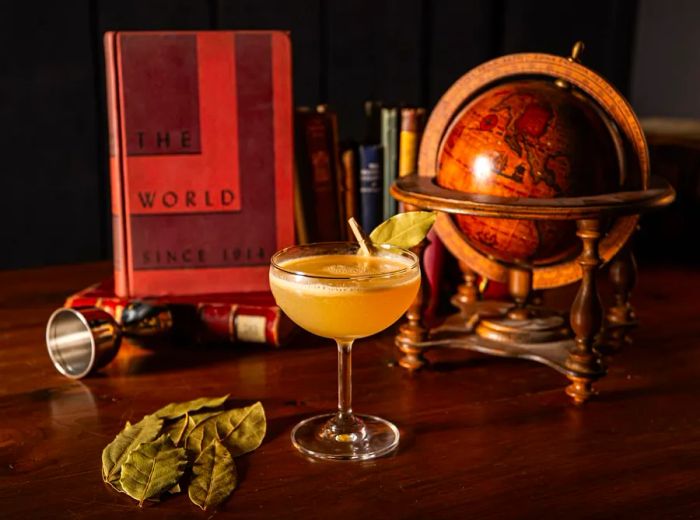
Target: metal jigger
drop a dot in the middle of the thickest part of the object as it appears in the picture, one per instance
(83, 340)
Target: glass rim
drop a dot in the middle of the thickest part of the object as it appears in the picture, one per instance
(413, 256)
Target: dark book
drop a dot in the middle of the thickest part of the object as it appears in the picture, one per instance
(371, 200)
(340, 180)
(317, 175)
(200, 157)
(373, 125)
(350, 179)
(390, 145)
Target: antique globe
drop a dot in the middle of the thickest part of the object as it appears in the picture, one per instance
(534, 138)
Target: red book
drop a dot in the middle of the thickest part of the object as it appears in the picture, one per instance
(201, 159)
(245, 317)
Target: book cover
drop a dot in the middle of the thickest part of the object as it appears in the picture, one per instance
(251, 317)
(316, 164)
(390, 145)
(201, 159)
(371, 200)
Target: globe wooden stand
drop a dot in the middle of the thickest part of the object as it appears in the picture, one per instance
(521, 329)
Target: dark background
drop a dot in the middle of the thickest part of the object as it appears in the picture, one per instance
(54, 181)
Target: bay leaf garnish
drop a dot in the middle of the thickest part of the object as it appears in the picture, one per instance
(404, 230)
(214, 476)
(241, 430)
(117, 451)
(152, 468)
(176, 410)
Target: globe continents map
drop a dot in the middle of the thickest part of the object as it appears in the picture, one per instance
(527, 138)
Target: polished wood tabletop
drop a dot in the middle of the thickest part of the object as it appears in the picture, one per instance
(481, 437)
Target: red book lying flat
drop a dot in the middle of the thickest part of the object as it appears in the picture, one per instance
(247, 317)
(201, 159)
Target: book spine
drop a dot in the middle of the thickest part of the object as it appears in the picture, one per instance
(317, 180)
(244, 323)
(350, 175)
(334, 146)
(390, 145)
(300, 218)
(372, 121)
(115, 168)
(408, 141)
(370, 186)
(208, 322)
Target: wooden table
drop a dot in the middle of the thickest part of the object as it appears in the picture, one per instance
(481, 437)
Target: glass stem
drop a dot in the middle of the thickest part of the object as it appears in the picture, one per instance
(344, 378)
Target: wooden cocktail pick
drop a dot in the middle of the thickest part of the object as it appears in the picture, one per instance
(366, 246)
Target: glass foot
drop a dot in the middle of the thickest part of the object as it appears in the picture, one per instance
(345, 437)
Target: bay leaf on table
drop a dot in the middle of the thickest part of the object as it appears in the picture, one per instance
(240, 430)
(152, 468)
(116, 452)
(177, 410)
(180, 430)
(405, 229)
(214, 476)
(176, 430)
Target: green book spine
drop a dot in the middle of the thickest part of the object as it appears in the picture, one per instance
(390, 144)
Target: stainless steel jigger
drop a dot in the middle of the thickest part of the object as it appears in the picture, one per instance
(81, 341)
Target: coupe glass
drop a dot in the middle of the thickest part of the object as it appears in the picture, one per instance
(334, 292)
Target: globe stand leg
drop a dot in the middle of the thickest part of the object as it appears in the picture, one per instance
(414, 331)
(467, 292)
(586, 318)
(620, 318)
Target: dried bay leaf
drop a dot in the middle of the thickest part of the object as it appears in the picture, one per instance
(117, 451)
(240, 430)
(405, 229)
(177, 410)
(214, 476)
(152, 468)
(195, 419)
(176, 430)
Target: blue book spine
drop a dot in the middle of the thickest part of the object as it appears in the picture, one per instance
(371, 203)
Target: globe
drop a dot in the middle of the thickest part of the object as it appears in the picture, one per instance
(528, 138)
